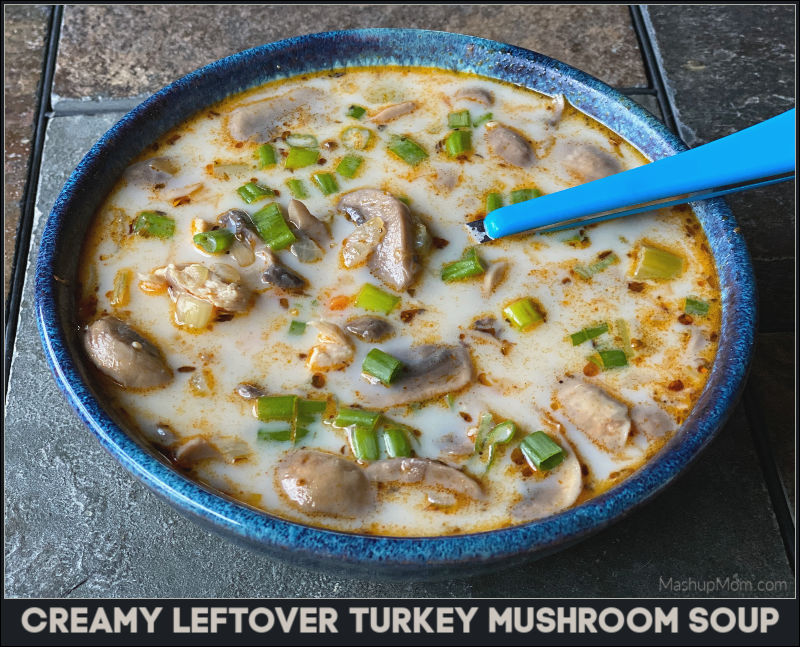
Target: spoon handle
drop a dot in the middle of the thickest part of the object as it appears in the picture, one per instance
(756, 156)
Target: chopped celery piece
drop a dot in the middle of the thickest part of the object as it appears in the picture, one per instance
(297, 188)
(352, 417)
(381, 366)
(656, 263)
(215, 241)
(302, 141)
(482, 120)
(468, 265)
(272, 227)
(276, 407)
(356, 112)
(252, 192)
(493, 201)
(155, 224)
(407, 149)
(695, 306)
(266, 156)
(588, 333)
(588, 271)
(326, 183)
(301, 157)
(395, 439)
(541, 451)
(459, 119)
(356, 137)
(520, 195)
(349, 165)
(375, 299)
(297, 327)
(364, 443)
(613, 358)
(523, 314)
(458, 142)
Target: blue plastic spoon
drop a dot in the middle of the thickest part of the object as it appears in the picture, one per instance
(757, 156)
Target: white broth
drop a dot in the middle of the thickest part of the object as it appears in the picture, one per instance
(602, 403)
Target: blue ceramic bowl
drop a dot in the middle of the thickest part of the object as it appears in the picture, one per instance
(354, 553)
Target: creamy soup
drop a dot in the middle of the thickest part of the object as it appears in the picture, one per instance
(281, 296)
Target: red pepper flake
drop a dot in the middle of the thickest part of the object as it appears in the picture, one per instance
(484, 379)
(465, 415)
(184, 199)
(318, 380)
(566, 280)
(284, 303)
(302, 355)
(713, 336)
(685, 319)
(591, 369)
(602, 255)
(527, 471)
(440, 243)
(186, 369)
(224, 316)
(675, 385)
(406, 316)
(239, 144)
(322, 161)
(634, 286)
(517, 456)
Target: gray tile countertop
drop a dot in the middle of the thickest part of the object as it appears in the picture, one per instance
(78, 525)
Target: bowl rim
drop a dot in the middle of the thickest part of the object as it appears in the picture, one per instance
(308, 544)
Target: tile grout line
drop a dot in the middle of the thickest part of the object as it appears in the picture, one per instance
(766, 457)
(25, 227)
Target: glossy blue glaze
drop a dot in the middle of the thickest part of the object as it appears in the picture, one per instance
(355, 554)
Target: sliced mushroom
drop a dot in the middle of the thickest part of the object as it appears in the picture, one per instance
(390, 113)
(509, 145)
(358, 246)
(261, 120)
(123, 354)
(146, 174)
(586, 163)
(238, 222)
(556, 490)
(494, 276)
(474, 93)
(652, 420)
(311, 226)
(333, 349)
(594, 412)
(225, 292)
(369, 329)
(426, 472)
(223, 448)
(278, 275)
(318, 482)
(432, 371)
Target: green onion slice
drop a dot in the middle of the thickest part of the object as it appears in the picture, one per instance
(376, 300)
(266, 156)
(297, 188)
(276, 407)
(300, 158)
(356, 112)
(460, 119)
(458, 142)
(407, 149)
(364, 443)
(381, 366)
(326, 183)
(272, 227)
(356, 137)
(502, 434)
(656, 263)
(588, 333)
(215, 241)
(349, 165)
(625, 336)
(493, 201)
(695, 306)
(613, 358)
(482, 120)
(297, 327)
(523, 314)
(485, 425)
(395, 439)
(520, 195)
(469, 265)
(252, 192)
(541, 451)
(155, 224)
(352, 417)
(302, 141)
(282, 435)
(588, 271)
